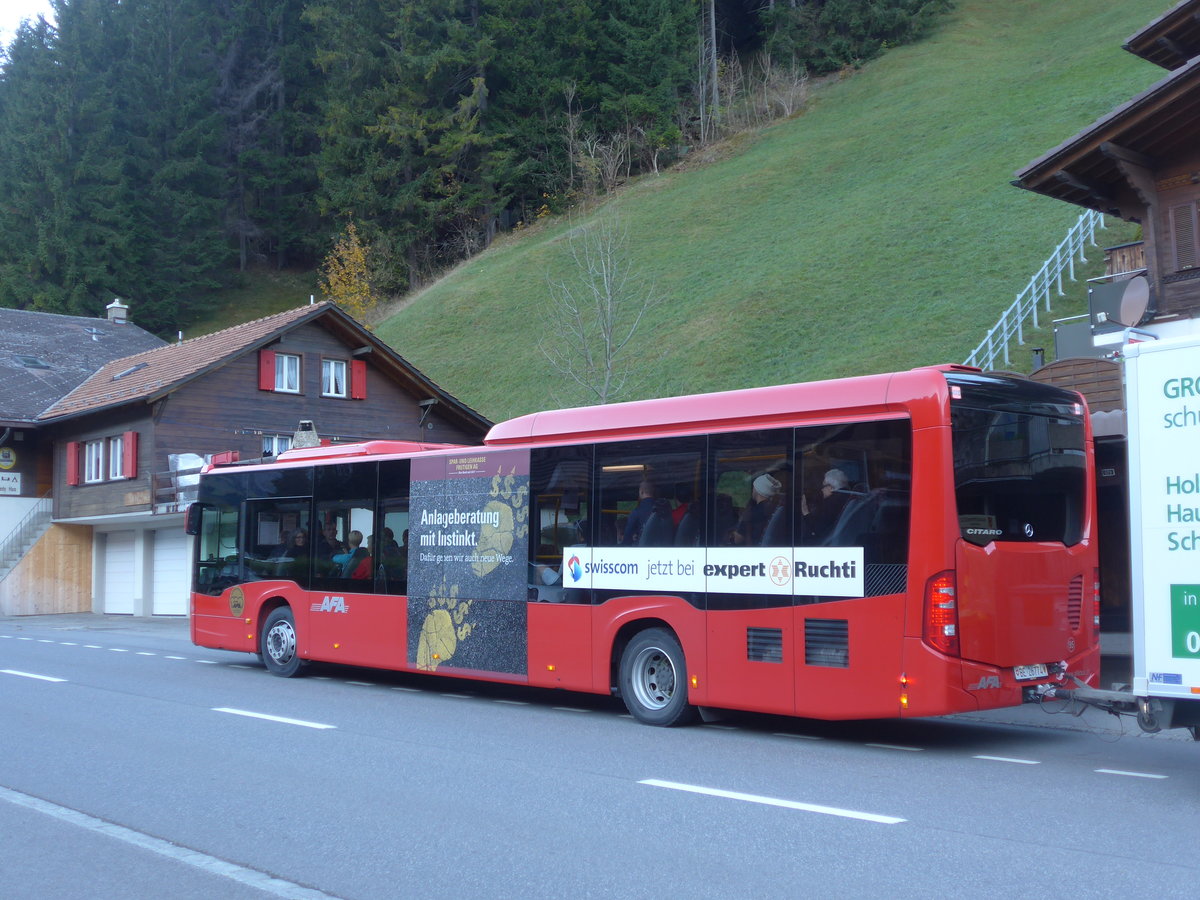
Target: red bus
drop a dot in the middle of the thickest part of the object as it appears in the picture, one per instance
(906, 544)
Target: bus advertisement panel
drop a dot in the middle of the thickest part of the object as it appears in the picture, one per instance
(469, 536)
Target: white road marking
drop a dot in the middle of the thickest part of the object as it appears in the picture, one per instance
(458, 696)
(1129, 774)
(1009, 759)
(240, 666)
(408, 689)
(31, 675)
(93, 646)
(799, 737)
(117, 650)
(206, 662)
(146, 653)
(896, 747)
(176, 657)
(505, 702)
(361, 683)
(45, 641)
(69, 643)
(774, 801)
(570, 709)
(210, 864)
(283, 719)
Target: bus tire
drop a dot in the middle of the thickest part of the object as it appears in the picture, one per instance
(654, 681)
(278, 646)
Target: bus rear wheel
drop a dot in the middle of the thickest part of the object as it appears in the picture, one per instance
(654, 682)
(277, 645)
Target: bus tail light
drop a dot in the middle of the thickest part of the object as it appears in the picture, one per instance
(941, 613)
(1096, 599)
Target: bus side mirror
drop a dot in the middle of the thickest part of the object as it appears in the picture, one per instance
(191, 522)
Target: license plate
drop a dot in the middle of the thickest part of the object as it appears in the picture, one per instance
(1025, 673)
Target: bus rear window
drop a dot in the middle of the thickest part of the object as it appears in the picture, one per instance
(1018, 475)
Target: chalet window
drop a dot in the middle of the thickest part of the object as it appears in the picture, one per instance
(274, 444)
(287, 373)
(116, 458)
(93, 462)
(1184, 234)
(333, 378)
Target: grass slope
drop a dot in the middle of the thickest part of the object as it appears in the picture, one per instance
(876, 231)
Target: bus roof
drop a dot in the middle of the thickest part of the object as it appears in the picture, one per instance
(868, 394)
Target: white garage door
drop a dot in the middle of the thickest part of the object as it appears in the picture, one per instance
(118, 573)
(170, 572)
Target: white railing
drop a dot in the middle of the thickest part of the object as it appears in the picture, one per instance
(1050, 275)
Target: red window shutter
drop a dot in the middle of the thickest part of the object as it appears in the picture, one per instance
(129, 439)
(266, 370)
(73, 462)
(358, 379)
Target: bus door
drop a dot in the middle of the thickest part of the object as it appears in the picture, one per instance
(349, 621)
(750, 631)
(853, 499)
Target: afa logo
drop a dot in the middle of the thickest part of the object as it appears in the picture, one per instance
(331, 604)
(575, 568)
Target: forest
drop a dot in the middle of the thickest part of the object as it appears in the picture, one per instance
(154, 149)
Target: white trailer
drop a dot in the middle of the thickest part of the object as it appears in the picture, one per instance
(1162, 389)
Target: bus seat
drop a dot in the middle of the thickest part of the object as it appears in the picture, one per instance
(659, 530)
(854, 522)
(775, 531)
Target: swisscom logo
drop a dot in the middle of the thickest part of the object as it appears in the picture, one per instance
(575, 568)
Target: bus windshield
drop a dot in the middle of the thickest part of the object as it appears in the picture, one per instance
(1020, 461)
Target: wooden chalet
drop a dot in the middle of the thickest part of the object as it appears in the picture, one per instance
(1141, 163)
(129, 439)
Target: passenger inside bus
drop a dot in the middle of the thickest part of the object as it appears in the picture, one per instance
(819, 522)
(635, 522)
(763, 506)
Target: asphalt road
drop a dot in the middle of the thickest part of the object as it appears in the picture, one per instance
(133, 764)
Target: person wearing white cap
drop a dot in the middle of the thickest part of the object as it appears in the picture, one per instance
(819, 523)
(764, 497)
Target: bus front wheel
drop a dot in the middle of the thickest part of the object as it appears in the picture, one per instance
(278, 644)
(654, 682)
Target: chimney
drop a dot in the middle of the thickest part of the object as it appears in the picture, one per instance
(117, 312)
(306, 435)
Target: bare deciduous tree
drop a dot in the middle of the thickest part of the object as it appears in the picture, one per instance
(595, 312)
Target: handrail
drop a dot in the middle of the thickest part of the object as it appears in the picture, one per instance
(38, 516)
(1012, 322)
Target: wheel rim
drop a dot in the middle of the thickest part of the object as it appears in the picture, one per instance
(653, 678)
(281, 643)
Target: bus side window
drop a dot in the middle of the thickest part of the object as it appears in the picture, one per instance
(560, 492)
(752, 498)
(345, 501)
(854, 490)
(391, 568)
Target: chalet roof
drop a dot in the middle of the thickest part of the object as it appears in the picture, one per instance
(1157, 125)
(1170, 40)
(43, 356)
(151, 375)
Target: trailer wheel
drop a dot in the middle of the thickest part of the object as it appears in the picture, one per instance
(654, 681)
(277, 645)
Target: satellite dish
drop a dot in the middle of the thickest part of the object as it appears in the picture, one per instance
(1135, 301)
